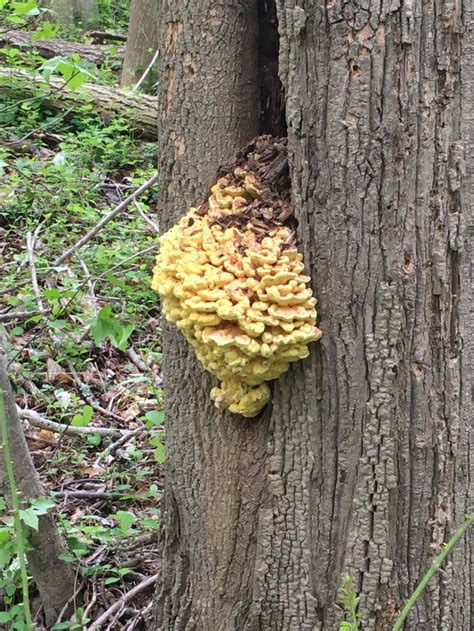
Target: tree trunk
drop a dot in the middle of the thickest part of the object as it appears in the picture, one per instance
(360, 463)
(142, 41)
(62, 11)
(53, 577)
(84, 13)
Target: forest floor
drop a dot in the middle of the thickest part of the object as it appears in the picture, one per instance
(83, 341)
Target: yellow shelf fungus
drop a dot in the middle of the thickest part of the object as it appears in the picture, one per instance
(232, 281)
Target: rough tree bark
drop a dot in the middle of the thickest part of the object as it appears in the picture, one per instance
(53, 577)
(361, 462)
(142, 40)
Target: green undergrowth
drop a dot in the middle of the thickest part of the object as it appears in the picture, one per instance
(59, 176)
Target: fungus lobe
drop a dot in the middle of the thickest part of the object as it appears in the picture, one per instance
(232, 280)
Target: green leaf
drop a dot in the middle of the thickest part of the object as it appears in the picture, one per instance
(94, 439)
(106, 325)
(4, 617)
(156, 417)
(125, 519)
(103, 325)
(153, 491)
(25, 8)
(6, 555)
(48, 30)
(345, 626)
(30, 518)
(52, 294)
(83, 419)
(3, 504)
(75, 79)
(112, 579)
(121, 340)
(15, 19)
(5, 535)
(41, 505)
(159, 452)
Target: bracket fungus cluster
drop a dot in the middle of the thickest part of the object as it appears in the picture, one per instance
(232, 280)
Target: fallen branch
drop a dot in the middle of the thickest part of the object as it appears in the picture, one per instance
(57, 47)
(140, 110)
(112, 448)
(39, 421)
(105, 220)
(30, 247)
(148, 582)
(22, 315)
(154, 226)
(90, 285)
(135, 358)
(102, 36)
(84, 389)
(89, 495)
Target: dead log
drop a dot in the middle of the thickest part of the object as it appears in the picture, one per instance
(57, 47)
(141, 110)
(102, 36)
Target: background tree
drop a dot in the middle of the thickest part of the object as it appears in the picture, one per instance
(142, 40)
(360, 463)
(81, 12)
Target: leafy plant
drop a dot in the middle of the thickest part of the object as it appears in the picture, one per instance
(435, 566)
(72, 69)
(59, 175)
(114, 14)
(105, 325)
(349, 601)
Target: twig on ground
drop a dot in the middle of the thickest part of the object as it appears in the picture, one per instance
(15, 287)
(141, 616)
(141, 540)
(105, 220)
(89, 495)
(112, 448)
(22, 315)
(148, 582)
(135, 358)
(154, 226)
(113, 622)
(89, 399)
(37, 420)
(30, 247)
(147, 71)
(92, 601)
(129, 258)
(90, 284)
